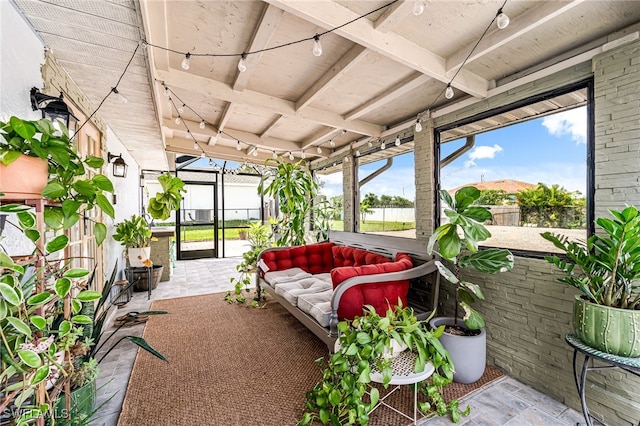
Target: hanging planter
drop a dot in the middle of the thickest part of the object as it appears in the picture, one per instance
(24, 178)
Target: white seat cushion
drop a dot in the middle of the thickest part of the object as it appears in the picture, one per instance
(285, 276)
(326, 277)
(292, 290)
(317, 305)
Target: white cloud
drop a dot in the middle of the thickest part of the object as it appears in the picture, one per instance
(572, 123)
(481, 152)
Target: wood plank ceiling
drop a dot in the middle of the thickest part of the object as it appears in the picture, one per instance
(375, 74)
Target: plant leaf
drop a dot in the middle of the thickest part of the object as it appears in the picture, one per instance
(57, 243)
(20, 326)
(30, 358)
(62, 287)
(9, 294)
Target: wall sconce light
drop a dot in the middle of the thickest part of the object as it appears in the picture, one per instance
(54, 109)
(119, 166)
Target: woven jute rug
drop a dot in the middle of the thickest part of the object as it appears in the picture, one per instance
(234, 365)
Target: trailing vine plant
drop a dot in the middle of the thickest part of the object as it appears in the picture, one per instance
(340, 398)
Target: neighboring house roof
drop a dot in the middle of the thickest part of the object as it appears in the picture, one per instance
(510, 186)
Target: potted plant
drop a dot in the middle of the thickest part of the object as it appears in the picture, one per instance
(293, 186)
(50, 148)
(457, 243)
(40, 321)
(167, 200)
(135, 235)
(606, 269)
(259, 237)
(366, 345)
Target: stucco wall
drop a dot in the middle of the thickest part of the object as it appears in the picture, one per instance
(527, 311)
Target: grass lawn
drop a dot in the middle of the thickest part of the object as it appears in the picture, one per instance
(205, 232)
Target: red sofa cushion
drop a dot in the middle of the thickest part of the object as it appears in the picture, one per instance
(349, 256)
(312, 258)
(378, 295)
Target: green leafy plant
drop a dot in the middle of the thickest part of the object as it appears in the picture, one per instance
(292, 184)
(168, 200)
(340, 398)
(133, 232)
(68, 184)
(259, 238)
(605, 268)
(37, 332)
(457, 243)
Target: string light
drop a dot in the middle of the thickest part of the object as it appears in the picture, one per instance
(303, 155)
(370, 143)
(119, 96)
(202, 124)
(317, 47)
(383, 146)
(255, 152)
(398, 142)
(275, 155)
(202, 154)
(332, 143)
(178, 120)
(448, 93)
(418, 126)
(418, 7)
(186, 62)
(319, 150)
(502, 20)
(181, 109)
(211, 161)
(196, 146)
(290, 155)
(166, 91)
(346, 159)
(242, 64)
(238, 147)
(357, 153)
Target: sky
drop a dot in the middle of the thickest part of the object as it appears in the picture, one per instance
(551, 150)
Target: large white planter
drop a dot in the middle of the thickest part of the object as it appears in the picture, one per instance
(138, 255)
(469, 353)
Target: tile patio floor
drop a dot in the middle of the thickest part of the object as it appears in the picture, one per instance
(504, 402)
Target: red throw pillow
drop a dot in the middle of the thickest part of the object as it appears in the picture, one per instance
(379, 295)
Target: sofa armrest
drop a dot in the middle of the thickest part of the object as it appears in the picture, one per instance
(407, 274)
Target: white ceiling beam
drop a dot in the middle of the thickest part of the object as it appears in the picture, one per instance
(518, 27)
(329, 14)
(275, 123)
(266, 27)
(351, 58)
(226, 115)
(393, 16)
(399, 90)
(320, 138)
(222, 91)
(155, 22)
(232, 136)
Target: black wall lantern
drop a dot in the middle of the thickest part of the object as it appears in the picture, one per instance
(119, 166)
(54, 109)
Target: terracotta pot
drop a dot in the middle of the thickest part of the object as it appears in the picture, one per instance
(25, 178)
(611, 330)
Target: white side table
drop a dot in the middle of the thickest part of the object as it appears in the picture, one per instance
(402, 367)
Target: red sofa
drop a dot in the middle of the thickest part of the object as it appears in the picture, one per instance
(324, 283)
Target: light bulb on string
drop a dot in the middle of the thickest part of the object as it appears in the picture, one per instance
(290, 155)
(255, 152)
(502, 20)
(370, 144)
(448, 93)
(211, 161)
(186, 62)
(195, 145)
(303, 155)
(119, 96)
(418, 126)
(181, 109)
(317, 47)
(178, 120)
(398, 142)
(242, 63)
(319, 150)
(202, 154)
(166, 91)
(383, 146)
(418, 7)
(357, 153)
(238, 147)
(202, 124)
(346, 159)
(275, 155)
(332, 143)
